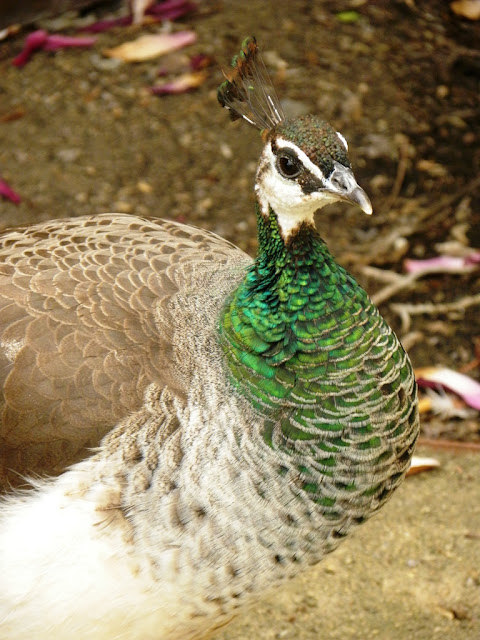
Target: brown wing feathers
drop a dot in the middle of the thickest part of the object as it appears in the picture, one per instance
(80, 301)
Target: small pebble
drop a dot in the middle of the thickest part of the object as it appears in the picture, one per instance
(68, 155)
(144, 187)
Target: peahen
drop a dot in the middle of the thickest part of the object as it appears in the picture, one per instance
(210, 426)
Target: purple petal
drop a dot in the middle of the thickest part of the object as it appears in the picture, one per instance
(200, 61)
(104, 25)
(473, 258)
(166, 89)
(7, 192)
(55, 42)
(171, 9)
(464, 386)
(33, 42)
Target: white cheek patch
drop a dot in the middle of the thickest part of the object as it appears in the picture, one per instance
(276, 191)
(286, 197)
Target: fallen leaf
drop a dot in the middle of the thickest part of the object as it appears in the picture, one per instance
(469, 9)
(151, 46)
(418, 465)
(10, 116)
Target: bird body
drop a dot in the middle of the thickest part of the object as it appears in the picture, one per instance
(245, 415)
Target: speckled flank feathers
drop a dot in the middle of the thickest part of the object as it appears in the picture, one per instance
(210, 425)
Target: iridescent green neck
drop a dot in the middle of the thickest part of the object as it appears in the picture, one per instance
(281, 327)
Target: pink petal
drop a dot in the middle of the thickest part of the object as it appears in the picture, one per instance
(33, 42)
(459, 383)
(55, 42)
(183, 83)
(442, 264)
(7, 192)
(42, 40)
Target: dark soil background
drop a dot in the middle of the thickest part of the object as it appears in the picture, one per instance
(80, 134)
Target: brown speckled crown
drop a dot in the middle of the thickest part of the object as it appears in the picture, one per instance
(316, 138)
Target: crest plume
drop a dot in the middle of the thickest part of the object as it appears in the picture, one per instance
(249, 93)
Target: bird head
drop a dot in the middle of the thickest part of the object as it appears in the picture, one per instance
(303, 167)
(304, 164)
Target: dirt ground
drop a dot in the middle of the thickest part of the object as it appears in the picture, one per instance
(400, 79)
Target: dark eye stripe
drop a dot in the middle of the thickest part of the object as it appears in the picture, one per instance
(288, 163)
(309, 183)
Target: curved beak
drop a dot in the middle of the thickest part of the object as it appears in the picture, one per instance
(358, 197)
(343, 185)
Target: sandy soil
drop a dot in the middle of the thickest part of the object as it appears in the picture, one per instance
(400, 80)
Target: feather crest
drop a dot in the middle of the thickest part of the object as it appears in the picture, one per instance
(248, 93)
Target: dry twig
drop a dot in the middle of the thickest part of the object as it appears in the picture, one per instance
(416, 220)
(428, 308)
(402, 282)
(449, 445)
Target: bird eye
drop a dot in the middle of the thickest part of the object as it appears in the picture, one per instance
(288, 166)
